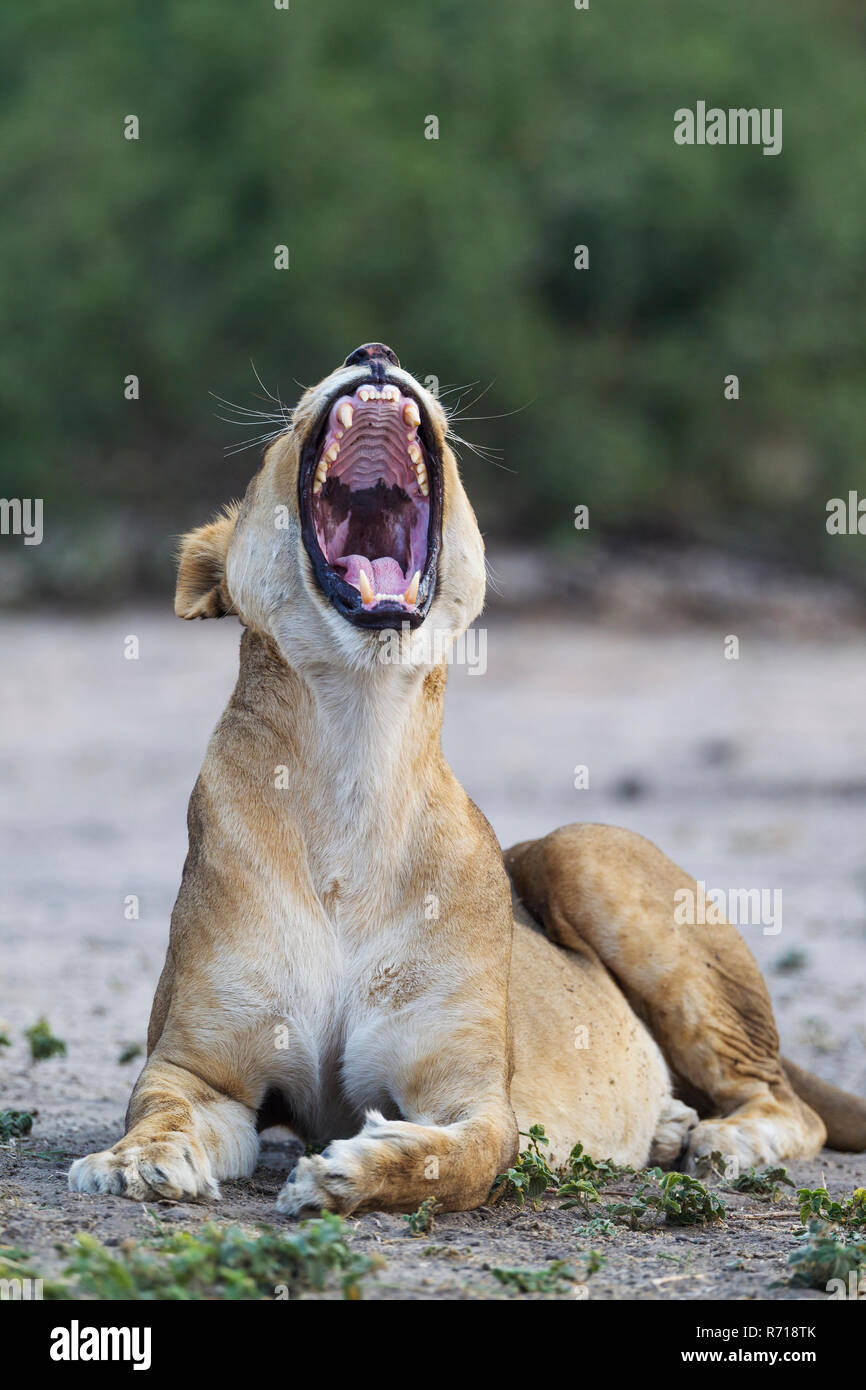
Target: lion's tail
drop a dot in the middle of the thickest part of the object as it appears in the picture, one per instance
(843, 1114)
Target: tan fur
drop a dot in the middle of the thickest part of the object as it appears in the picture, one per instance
(345, 953)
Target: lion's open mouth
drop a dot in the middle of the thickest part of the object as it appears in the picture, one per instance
(370, 506)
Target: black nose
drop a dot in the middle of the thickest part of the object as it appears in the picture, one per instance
(369, 352)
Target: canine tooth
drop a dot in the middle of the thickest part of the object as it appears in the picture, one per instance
(412, 592)
(411, 414)
(344, 415)
(414, 452)
(366, 588)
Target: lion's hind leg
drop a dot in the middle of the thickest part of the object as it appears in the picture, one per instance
(698, 988)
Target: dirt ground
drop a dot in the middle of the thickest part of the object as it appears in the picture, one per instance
(751, 773)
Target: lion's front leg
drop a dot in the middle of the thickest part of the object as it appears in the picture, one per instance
(443, 1062)
(183, 1136)
(393, 1165)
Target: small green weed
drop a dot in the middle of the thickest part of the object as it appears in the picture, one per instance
(823, 1254)
(765, 1185)
(850, 1211)
(422, 1221)
(43, 1043)
(15, 1123)
(553, 1278)
(222, 1262)
(531, 1175)
(682, 1200)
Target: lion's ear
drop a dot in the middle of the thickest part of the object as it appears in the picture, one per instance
(201, 573)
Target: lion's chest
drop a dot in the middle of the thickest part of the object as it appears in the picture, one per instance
(346, 1020)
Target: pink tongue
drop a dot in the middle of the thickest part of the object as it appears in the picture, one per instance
(385, 575)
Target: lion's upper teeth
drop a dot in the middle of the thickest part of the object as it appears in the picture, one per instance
(411, 414)
(345, 414)
(414, 451)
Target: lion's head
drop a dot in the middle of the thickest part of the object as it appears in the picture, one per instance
(356, 522)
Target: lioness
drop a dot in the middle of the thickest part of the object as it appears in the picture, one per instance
(347, 956)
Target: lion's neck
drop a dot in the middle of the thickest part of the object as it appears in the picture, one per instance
(338, 747)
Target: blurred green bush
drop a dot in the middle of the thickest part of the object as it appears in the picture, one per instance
(306, 127)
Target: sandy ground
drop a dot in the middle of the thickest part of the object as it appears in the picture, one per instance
(752, 773)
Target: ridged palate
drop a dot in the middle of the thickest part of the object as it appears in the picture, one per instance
(373, 435)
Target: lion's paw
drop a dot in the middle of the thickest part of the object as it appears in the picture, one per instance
(675, 1124)
(320, 1182)
(165, 1168)
(745, 1145)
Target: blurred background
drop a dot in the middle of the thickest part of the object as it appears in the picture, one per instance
(305, 127)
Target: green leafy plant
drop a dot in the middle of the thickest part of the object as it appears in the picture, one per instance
(597, 1226)
(222, 1262)
(681, 1199)
(581, 1167)
(553, 1278)
(43, 1042)
(129, 1054)
(578, 1192)
(15, 1123)
(531, 1175)
(849, 1211)
(765, 1185)
(823, 1254)
(422, 1221)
